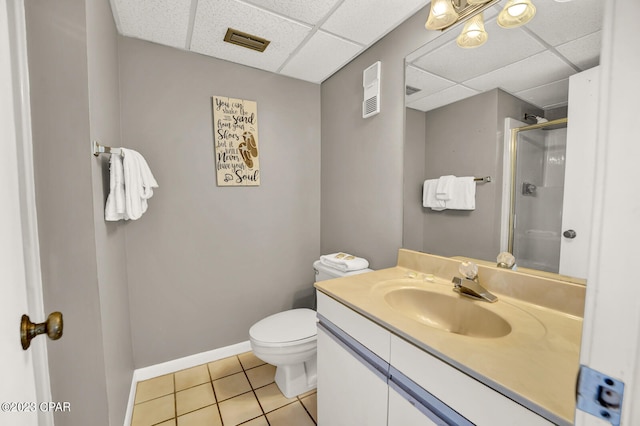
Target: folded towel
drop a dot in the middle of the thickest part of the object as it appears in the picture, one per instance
(115, 208)
(429, 195)
(444, 188)
(138, 183)
(463, 195)
(344, 262)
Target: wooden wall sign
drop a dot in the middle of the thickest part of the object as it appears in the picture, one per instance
(235, 139)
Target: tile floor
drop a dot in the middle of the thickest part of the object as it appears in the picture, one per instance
(231, 391)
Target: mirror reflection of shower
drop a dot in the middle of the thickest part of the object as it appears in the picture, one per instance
(537, 193)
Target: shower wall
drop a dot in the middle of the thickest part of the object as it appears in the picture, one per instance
(541, 163)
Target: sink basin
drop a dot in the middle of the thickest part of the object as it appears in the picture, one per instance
(450, 313)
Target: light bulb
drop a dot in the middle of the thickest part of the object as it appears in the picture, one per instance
(517, 10)
(516, 13)
(473, 33)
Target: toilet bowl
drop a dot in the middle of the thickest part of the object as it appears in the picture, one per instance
(288, 340)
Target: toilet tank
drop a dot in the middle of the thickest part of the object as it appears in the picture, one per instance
(323, 272)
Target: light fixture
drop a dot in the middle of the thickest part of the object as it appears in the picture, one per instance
(446, 13)
(516, 13)
(473, 33)
(442, 15)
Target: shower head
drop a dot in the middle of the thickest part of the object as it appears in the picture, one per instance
(535, 118)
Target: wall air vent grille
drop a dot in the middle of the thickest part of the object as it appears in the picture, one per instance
(371, 106)
(371, 85)
(246, 40)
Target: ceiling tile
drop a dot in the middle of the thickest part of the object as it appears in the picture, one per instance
(161, 21)
(502, 47)
(310, 12)
(213, 17)
(366, 21)
(583, 52)
(442, 98)
(320, 57)
(557, 23)
(547, 96)
(428, 83)
(538, 70)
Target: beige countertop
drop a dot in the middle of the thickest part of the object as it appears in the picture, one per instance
(536, 364)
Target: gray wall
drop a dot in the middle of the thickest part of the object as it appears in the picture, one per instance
(104, 115)
(57, 44)
(474, 149)
(362, 159)
(206, 262)
(414, 176)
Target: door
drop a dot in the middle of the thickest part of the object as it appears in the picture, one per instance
(579, 173)
(22, 388)
(18, 381)
(349, 392)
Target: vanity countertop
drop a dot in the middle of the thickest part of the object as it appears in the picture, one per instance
(536, 364)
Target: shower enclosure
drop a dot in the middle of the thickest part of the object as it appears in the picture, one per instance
(537, 187)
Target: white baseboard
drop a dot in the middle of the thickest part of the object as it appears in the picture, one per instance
(157, 370)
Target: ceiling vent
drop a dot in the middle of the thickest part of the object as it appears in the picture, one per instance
(409, 90)
(246, 40)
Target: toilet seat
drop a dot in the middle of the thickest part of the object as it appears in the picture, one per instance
(292, 327)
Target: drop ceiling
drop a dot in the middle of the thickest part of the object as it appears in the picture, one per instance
(310, 39)
(533, 62)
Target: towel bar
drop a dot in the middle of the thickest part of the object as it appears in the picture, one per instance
(482, 179)
(98, 149)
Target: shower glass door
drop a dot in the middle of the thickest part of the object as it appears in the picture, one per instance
(537, 195)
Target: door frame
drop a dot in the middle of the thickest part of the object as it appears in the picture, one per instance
(17, 39)
(611, 330)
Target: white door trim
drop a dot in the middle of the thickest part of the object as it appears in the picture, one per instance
(611, 332)
(35, 303)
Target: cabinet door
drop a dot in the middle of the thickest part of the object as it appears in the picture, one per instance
(349, 392)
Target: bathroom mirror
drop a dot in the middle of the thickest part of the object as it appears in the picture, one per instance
(456, 103)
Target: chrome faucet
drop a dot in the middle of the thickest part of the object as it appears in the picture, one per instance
(471, 288)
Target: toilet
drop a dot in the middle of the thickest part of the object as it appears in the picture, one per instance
(288, 341)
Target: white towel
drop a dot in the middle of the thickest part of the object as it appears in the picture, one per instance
(444, 188)
(115, 208)
(429, 195)
(138, 183)
(463, 195)
(344, 262)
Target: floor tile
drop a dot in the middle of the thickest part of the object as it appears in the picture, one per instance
(171, 422)
(154, 411)
(231, 386)
(271, 398)
(290, 415)
(224, 367)
(249, 360)
(311, 404)
(208, 416)
(191, 377)
(154, 388)
(258, 421)
(311, 392)
(261, 376)
(239, 409)
(194, 398)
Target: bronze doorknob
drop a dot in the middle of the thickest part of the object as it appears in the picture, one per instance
(52, 326)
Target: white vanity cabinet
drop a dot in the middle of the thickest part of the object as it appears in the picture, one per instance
(369, 376)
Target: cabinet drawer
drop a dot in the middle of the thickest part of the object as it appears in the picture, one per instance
(472, 399)
(362, 329)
